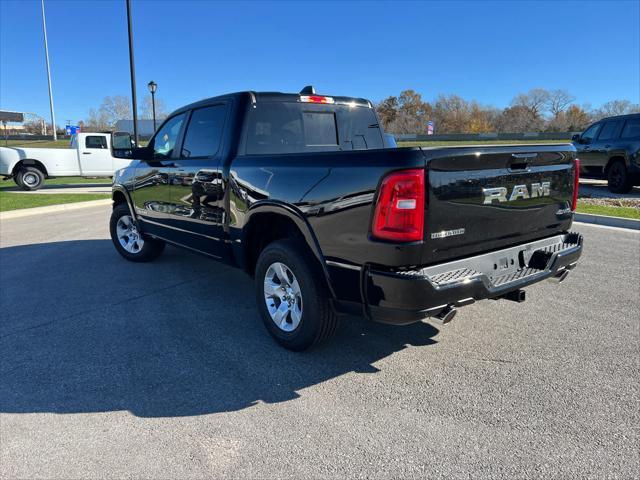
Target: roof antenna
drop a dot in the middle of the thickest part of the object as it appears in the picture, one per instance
(308, 90)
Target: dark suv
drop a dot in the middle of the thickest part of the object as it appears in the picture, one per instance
(611, 147)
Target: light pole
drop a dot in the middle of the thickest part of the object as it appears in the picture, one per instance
(46, 54)
(132, 68)
(153, 86)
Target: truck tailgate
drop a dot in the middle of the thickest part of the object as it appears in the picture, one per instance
(484, 198)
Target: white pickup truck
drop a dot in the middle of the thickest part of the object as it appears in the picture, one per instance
(88, 155)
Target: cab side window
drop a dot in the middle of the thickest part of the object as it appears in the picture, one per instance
(591, 133)
(95, 142)
(165, 140)
(204, 132)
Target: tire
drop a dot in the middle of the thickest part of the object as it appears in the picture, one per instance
(310, 318)
(129, 242)
(29, 178)
(618, 178)
(17, 179)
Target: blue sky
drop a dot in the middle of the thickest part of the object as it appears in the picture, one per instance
(488, 51)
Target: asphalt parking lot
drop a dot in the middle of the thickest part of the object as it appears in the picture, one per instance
(110, 369)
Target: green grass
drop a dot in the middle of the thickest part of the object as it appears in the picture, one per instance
(6, 184)
(16, 201)
(35, 143)
(457, 143)
(44, 143)
(610, 211)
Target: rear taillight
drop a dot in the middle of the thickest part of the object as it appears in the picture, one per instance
(399, 212)
(576, 183)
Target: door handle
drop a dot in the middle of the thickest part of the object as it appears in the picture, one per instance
(86, 153)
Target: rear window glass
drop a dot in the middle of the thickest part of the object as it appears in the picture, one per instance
(287, 127)
(631, 129)
(320, 128)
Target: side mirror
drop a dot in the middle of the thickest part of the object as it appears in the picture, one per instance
(576, 137)
(121, 145)
(142, 153)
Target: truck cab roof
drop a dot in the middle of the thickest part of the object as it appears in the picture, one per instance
(259, 97)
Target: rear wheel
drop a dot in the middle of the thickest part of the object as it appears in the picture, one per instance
(618, 178)
(292, 296)
(29, 178)
(129, 241)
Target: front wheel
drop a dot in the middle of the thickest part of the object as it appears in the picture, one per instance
(292, 296)
(129, 241)
(618, 178)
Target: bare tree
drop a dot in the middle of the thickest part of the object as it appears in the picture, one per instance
(558, 101)
(96, 120)
(115, 108)
(572, 119)
(617, 107)
(452, 113)
(519, 119)
(536, 100)
(111, 110)
(534, 111)
(147, 108)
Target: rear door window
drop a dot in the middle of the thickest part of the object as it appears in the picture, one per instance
(631, 129)
(609, 131)
(204, 132)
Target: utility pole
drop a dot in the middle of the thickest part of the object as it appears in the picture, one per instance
(46, 54)
(132, 68)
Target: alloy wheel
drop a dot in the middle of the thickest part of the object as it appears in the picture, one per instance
(283, 297)
(128, 235)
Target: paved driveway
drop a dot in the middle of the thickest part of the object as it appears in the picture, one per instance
(110, 369)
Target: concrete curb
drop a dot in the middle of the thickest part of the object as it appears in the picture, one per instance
(608, 221)
(27, 212)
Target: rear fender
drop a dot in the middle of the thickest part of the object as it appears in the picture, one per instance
(293, 214)
(31, 163)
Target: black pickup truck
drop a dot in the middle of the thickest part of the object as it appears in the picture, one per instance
(300, 192)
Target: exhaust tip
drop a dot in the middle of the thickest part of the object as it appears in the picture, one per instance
(445, 315)
(560, 277)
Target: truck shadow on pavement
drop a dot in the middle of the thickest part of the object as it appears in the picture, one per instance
(83, 330)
